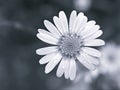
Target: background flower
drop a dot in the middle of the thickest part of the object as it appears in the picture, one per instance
(82, 5)
(110, 63)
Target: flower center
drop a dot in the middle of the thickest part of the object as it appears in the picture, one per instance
(70, 44)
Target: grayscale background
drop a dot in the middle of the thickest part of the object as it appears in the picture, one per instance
(19, 21)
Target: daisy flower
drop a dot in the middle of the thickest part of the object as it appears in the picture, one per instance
(70, 42)
(110, 60)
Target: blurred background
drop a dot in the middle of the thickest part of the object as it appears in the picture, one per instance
(19, 64)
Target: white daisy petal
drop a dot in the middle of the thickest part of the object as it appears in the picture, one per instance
(91, 31)
(94, 42)
(51, 65)
(77, 21)
(46, 37)
(91, 59)
(83, 60)
(91, 51)
(58, 24)
(61, 68)
(72, 69)
(95, 35)
(81, 22)
(47, 58)
(73, 16)
(46, 50)
(52, 28)
(88, 27)
(64, 21)
(91, 23)
(67, 66)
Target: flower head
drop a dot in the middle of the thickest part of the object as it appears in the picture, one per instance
(71, 42)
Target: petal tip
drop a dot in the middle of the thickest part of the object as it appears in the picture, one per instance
(39, 30)
(45, 21)
(72, 78)
(37, 35)
(58, 75)
(46, 71)
(40, 62)
(37, 52)
(103, 42)
(55, 17)
(93, 69)
(74, 11)
(61, 12)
